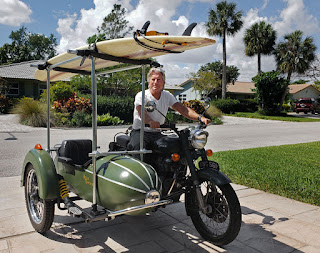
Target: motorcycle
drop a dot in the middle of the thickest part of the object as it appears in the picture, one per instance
(115, 182)
(210, 200)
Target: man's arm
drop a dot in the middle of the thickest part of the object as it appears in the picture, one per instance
(189, 113)
(147, 119)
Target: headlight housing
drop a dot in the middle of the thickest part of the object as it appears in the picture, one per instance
(198, 138)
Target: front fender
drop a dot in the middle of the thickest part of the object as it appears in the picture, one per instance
(46, 173)
(214, 175)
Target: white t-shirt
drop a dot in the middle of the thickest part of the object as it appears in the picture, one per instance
(166, 100)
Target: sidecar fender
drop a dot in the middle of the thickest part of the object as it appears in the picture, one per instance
(45, 171)
(214, 175)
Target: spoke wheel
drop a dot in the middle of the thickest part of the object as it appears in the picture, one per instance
(222, 221)
(41, 212)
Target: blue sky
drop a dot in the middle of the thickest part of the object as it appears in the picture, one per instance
(72, 21)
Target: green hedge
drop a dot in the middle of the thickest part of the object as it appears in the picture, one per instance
(121, 107)
(227, 105)
(233, 105)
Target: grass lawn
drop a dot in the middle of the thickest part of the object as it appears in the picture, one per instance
(283, 118)
(292, 171)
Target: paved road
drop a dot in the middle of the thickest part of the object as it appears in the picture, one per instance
(236, 133)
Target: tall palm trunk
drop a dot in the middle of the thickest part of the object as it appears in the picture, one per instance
(259, 63)
(224, 64)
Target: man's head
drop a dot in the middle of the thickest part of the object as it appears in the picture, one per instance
(156, 79)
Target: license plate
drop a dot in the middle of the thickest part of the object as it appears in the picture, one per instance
(209, 164)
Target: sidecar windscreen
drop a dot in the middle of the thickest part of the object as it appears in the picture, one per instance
(75, 152)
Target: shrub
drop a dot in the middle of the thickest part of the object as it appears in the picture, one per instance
(196, 105)
(286, 107)
(81, 118)
(32, 112)
(107, 120)
(227, 105)
(248, 105)
(61, 91)
(73, 104)
(5, 104)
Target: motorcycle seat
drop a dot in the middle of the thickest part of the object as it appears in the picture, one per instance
(123, 140)
(75, 152)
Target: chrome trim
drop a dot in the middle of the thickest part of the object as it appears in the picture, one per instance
(113, 214)
(133, 173)
(133, 152)
(118, 183)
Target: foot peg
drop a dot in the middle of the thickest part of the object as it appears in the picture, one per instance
(74, 210)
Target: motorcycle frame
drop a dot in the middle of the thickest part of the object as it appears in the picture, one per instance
(93, 55)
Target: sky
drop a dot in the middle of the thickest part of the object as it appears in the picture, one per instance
(73, 21)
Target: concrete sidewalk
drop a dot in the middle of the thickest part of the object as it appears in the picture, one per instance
(270, 224)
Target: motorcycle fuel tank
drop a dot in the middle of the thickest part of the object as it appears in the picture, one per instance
(167, 145)
(122, 182)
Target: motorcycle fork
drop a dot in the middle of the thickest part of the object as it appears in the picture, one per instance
(194, 176)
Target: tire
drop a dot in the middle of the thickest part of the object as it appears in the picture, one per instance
(222, 224)
(41, 212)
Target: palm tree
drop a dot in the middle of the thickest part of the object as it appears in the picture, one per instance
(222, 22)
(294, 55)
(259, 39)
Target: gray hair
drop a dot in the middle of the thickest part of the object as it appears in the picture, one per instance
(157, 70)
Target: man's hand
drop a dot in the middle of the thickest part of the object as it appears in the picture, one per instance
(205, 120)
(154, 124)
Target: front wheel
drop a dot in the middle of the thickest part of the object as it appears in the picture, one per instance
(221, 224)
(41, 212)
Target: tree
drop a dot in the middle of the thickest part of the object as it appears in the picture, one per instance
(232, 71)
(269, 90)
(222, 22)
(114, 26)
(205, 82)
(27, 46)
(259, 39)
(294, 55)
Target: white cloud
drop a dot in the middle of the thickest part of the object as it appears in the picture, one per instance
(295, 17)
(14, 12)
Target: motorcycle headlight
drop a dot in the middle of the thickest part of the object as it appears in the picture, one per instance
(198, 138)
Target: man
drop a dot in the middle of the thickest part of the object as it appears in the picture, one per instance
(163, 100)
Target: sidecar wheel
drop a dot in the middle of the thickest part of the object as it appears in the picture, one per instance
(41, 212)
(221, 224)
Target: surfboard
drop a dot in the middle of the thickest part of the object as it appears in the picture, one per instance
(149, 46)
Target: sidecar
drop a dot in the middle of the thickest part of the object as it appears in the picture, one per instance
(114, 182)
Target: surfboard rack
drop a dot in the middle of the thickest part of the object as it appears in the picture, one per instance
(93, 53)
(108, 57)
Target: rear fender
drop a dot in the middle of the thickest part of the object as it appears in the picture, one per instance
(46, 173)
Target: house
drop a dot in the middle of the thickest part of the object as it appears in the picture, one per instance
(186, 92)
(245, 90)
(240, 90)
(21, 80)
(297, 91)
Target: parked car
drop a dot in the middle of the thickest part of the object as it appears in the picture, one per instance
(307, 105)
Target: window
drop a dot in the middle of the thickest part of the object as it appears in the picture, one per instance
(13, 89)
(182, 97)
(42, 87)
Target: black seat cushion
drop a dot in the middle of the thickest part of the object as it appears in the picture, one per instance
(77, 150)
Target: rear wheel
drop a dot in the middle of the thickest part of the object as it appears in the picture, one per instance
(221, 224)
(41, 212)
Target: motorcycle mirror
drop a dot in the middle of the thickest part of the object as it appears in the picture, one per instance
(150, 106)
(207, 101)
